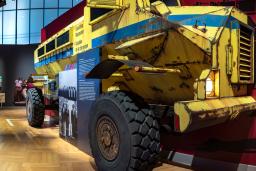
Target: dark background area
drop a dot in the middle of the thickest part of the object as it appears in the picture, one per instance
(15, 61)
(2, 66)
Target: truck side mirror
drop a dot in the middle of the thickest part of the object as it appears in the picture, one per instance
(160, 8)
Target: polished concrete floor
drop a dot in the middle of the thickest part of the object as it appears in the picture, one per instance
(23, 148)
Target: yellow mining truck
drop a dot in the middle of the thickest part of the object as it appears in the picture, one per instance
(161, 65)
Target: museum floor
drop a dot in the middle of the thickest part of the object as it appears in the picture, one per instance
(23, 148)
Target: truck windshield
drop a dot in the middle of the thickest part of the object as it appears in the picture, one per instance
(168, 2)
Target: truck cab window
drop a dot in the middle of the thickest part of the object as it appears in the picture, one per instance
(168, 2)
(97, 12)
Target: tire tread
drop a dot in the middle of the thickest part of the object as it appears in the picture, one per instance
(38, 105)
(144, 129)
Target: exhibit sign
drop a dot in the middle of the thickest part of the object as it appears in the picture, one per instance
(68, 103)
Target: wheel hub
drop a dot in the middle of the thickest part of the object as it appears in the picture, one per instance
(108, 138)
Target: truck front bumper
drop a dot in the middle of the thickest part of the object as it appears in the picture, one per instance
(193, 115)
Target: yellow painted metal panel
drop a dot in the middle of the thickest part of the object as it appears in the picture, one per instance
(241, 16)
(198, 114)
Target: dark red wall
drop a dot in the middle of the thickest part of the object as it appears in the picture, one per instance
(63, 21)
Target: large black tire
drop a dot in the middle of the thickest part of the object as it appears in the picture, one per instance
(137, 128)
(35, 107)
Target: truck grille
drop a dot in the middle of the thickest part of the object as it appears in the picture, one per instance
(246, 54)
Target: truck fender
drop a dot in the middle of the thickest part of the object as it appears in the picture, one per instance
(107, 67)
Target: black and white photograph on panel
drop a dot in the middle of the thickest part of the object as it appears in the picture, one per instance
(68, 103)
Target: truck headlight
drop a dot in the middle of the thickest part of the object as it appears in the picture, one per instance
(210, 85)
